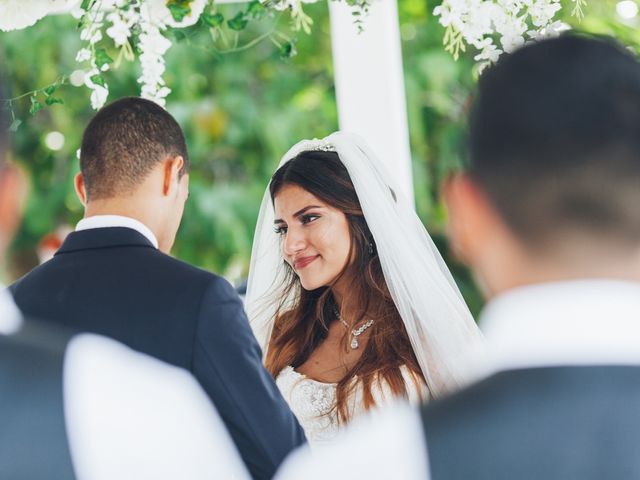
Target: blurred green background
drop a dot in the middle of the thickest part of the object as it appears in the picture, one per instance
(241, 111)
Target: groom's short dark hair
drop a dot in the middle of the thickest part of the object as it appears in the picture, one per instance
(555, 140)
(122, 144)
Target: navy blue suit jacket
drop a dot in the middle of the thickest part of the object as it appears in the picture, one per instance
(551, 423)
(112, 281)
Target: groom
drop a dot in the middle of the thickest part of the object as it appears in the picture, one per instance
(548, 217)
(64, 410)
(114, 276)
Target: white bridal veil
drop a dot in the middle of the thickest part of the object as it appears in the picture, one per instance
(440, 327)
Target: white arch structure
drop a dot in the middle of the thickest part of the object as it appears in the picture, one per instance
(369, 84)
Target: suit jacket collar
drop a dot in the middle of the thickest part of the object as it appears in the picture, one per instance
(103, 238)
(102, 221)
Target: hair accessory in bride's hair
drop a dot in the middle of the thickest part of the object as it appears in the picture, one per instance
(324, 146)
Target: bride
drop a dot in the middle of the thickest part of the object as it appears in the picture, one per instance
(347, 293)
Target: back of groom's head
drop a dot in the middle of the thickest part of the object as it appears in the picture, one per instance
(553, 184)
(122, 144)
(555, 141)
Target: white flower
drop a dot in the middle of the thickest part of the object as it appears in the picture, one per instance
(453, 12)
(552, 30)
(543, 11)
(156, 12)
(511, 42)
(152, 42)
(99, 96)
(480, 22)
(153, 46)
(83, 55)
(286, 4)
(490, 53)
(19, 14)
(92, 33)
(120, 29)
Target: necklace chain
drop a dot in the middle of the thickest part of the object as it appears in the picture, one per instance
(356, 332)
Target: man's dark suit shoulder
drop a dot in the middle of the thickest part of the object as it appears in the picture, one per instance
(518, 423)
(113, 282)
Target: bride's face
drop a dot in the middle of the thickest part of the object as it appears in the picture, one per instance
(315, 236)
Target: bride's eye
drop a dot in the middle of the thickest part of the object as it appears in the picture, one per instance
(309, 218)
(280, 230)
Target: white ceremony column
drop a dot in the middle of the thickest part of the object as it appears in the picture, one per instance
(369, 84)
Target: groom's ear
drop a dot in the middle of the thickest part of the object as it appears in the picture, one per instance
(471, 218)
(171, 174)
(81, 192)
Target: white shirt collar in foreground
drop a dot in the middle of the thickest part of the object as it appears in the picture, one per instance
(103, 221)
(10, 316)
(585, 322)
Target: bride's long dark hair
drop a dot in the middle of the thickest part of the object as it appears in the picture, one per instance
(300, 328)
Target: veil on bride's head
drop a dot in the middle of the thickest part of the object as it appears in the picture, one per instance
(441, 329)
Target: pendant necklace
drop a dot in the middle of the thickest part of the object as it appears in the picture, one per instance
(356, 332)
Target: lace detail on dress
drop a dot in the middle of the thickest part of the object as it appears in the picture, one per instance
(312, 402)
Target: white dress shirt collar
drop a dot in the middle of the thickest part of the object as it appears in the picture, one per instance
(104, 221)
(585, 322)
(10, 317)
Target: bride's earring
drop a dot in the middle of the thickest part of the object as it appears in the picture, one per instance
(370, 248)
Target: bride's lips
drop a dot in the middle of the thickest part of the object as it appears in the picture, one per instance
(304, 261)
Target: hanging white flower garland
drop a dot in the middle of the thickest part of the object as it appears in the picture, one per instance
(119, 19)
(514, 22)
(132, 24)
(490, 26)
(19, 14)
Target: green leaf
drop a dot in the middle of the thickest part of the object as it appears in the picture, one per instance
(213, 20)
(102, 57)
(53, 100)
(50, 89)
(239, 22)
(14, 125)
(178, 34)
(256, 9)
(98, 80)
(288, 50)
(36, 106)
(86, 4)
(178, 10)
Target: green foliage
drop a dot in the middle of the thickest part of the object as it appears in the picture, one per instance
(212, 20)
(256, 10)
(239, 22)
(288, 50)
(179, 9)
(97, 79)
(242, 107)
(102, 57)
(87, 4)
(36, 106)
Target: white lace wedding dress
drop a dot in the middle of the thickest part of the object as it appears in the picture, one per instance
(312, 402)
